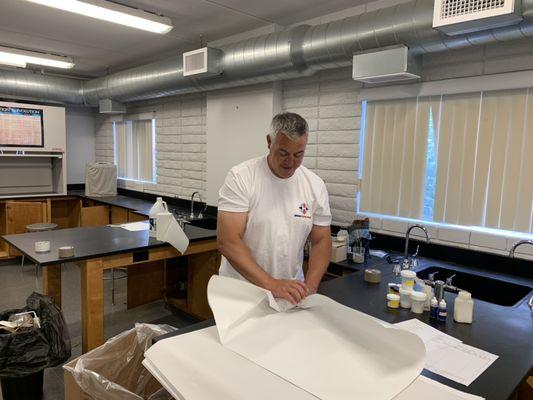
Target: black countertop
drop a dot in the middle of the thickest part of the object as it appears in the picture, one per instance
(504, 331)
(90, 242)
(139, 206)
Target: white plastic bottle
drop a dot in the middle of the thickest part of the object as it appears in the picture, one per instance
(159, 207)
(463, 308)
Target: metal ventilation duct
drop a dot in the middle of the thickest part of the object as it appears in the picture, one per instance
(300, 51)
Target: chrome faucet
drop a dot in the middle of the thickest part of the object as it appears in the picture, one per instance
(511, 252)
(192, 204)
(406, 262)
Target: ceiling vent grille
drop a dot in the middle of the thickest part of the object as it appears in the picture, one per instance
(455, 17)
(202, 62)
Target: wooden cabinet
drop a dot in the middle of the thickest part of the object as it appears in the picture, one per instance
(19, 214)
(133, 217)
(201, 268)
(119, 215)
(94, 216)
(65, 212)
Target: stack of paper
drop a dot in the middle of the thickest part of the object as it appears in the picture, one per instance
(448, 356)
(321, 350)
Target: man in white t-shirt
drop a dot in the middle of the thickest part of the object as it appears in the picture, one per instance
(267, 208)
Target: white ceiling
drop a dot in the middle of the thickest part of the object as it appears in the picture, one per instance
(98, 47)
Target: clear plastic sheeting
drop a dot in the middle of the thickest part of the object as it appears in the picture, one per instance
(114, 371)
(28, 351)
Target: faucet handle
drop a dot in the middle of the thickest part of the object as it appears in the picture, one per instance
(431, 276)
(449, 280)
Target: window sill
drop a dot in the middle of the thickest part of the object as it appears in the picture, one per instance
(487, 240)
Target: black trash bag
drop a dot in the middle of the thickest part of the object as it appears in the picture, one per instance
(29, 351)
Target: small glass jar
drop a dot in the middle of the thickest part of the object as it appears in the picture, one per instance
(408, 279)
(393, 300)
(405, 297)
(418, 299)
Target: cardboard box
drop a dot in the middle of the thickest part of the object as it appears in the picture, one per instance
(72, 390)
(119, 360)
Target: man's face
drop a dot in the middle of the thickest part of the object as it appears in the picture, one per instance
(285, 155)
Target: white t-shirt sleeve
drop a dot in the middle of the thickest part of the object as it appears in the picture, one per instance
(234, 193)
(322, 215)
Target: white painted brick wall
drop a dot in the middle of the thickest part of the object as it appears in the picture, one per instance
(180, 145)
(328, 101)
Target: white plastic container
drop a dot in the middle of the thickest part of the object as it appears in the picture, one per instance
(159, 207)
(408, 279)
(463, 310)
(428, 290)
(405, 297)
(393, 300)
(418, 299)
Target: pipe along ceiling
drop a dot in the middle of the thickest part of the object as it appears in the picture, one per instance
(297, 52)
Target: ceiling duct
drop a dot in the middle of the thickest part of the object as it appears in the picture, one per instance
(387, 65)
(456, 17)
(296, 52)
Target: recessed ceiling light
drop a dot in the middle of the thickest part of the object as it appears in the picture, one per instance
(112, 12)
(19, 58)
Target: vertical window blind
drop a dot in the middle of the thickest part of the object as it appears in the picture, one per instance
(483, 144)
(134, 150)
(485, 163)
(395, 157)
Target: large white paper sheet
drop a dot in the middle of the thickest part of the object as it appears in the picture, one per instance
(448, 356)
(135, 226)
(323, 347)
(424, 388)
(195, 366)
(168, 230)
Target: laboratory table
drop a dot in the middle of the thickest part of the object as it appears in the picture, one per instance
(504, 331)
(95, 250)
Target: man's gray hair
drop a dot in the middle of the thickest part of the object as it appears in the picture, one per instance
(291, 124)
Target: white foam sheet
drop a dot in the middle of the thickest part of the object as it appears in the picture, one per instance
(195, 366)
(323, 347)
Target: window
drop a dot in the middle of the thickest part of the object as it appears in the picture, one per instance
(135, 150)
(455, 159)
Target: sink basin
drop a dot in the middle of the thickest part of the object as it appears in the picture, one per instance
(491, 290)
(206, 223)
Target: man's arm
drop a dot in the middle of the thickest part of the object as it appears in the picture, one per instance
(230, 232)
(319, 256)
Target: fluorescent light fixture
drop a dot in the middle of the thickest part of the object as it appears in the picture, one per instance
(20, 58)
(12, 63)
(112, 12)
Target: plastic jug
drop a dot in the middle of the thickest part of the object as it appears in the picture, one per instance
(159, 207)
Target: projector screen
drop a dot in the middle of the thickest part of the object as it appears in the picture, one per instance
(22, 127)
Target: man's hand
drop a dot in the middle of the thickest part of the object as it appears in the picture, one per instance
(290, 290)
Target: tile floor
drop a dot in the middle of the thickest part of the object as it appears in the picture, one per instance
(17, 284)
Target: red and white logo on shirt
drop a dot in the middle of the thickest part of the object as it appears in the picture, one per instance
(304, 209)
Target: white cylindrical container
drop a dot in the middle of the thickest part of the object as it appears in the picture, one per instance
(159, 207)
(418, 299)
(463, 310)
(393, 300)
(408, 279)
(405, 297)
(42, 247)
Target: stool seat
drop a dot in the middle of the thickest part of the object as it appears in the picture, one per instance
(41, 227)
